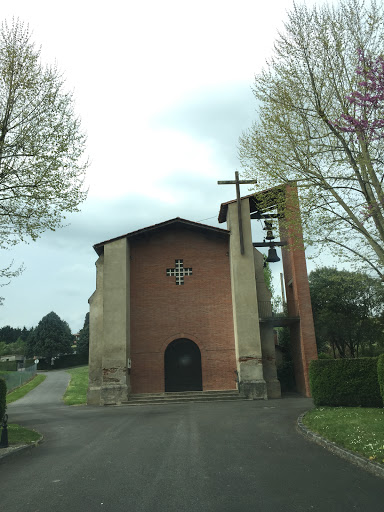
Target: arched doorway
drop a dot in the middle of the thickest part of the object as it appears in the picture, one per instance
(182, 366)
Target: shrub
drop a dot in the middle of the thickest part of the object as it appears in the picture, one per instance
(66, 361)
(8, 366)
(380, 374)
(345, 382)
(71, 360)
(3, 399)
(324, 355)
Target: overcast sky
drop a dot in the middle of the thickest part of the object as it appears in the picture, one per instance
(163, 89)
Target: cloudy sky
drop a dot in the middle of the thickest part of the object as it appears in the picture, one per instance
(163, 89)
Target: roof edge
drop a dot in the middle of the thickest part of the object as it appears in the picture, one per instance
(177, 220)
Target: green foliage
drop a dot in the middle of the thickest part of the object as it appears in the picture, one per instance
(83, 342)
(65, 361)
(3, 394)
(17, 348)
(10, 335)
(268, 276)
(70, 360)
(347, 310)
(41, 143)
(324, 355)
(380, 374)
(300, 93)
(8, 366)
(345, 382)
(51, 338)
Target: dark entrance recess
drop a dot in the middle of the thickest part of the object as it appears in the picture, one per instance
(182, 366)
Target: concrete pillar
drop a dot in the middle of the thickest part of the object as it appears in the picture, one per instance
(115, 386)
(96, 337)
(244, 303)
(109, 327)
(266, 332)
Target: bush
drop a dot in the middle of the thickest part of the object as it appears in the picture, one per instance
(380, 374)
(8, 366)
(324, 355)
(66, 361)
(3, 399)
(71, 360)
(345, 382)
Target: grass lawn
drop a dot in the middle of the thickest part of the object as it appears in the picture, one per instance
(359, 429)
(76, 393)
(21, 435)
(26, 388)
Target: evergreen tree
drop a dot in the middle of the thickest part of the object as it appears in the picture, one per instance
(51, 337)
(83, 343)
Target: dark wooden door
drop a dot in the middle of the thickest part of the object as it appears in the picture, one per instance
(182, 365)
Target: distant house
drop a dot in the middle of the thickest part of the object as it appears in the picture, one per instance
(18, 358)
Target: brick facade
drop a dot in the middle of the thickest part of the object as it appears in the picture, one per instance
(303, 339)
(200, 310)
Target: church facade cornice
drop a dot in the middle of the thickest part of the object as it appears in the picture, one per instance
(172, 223)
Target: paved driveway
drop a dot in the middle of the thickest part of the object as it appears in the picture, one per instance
(221, 456)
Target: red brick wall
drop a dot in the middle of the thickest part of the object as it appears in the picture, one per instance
(303, 339)
(200, 310)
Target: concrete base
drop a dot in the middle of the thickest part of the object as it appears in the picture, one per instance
(254, 390)
(93, 395)
(273, 389)
(114, 394)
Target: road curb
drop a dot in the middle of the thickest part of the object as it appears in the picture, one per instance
(13, 450)
(364, 463)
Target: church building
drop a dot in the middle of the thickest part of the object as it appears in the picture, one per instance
(183, 306)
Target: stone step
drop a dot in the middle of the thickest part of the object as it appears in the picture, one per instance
(186, 393)
(182, 397)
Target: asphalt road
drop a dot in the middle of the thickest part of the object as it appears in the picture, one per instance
(214, 457)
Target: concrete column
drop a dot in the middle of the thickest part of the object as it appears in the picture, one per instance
(115, 385)
(244, 302)
(96, 336)
(266, 332)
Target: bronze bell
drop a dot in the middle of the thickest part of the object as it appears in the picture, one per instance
(272, 255)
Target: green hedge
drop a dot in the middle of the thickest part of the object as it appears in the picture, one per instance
(380, 374)
(8, 366)
(67, 361)
(345, 382)
(3, 399)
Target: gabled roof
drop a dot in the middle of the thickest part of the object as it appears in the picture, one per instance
(177, 222)
(259, 202)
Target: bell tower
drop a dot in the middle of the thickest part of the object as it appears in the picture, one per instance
(253, 316)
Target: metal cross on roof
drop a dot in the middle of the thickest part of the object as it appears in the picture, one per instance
(238, 182)
(179, 272)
